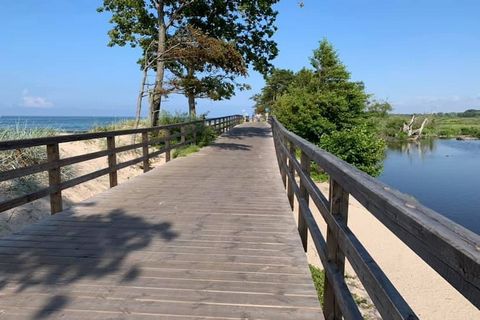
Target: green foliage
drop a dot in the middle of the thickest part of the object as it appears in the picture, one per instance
(203, 43)
(470, 113)
(206, 136)
(277, 83)
(324, 106)
(318, 277)
(379, 108)
(317, 174)
(185, 151)
(358, 146)
(445, 125)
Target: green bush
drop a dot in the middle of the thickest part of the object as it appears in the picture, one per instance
(205, 136)
(358, 146)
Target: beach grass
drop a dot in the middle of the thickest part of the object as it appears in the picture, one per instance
(19, 158)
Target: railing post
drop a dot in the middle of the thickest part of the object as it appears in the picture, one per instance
(54, 178)
(339, 209)
(167, 145)
(291, 170)
(112, 161)
(194, 132)
(182, 134)
(283, 155)
(146, 162)
(302, 225)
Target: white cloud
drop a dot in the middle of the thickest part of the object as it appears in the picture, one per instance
(30, 101)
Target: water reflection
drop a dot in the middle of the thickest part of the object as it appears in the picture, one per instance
(415, 148)
(442, 174)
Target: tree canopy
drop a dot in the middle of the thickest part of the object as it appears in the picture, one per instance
(323, 105)
(236, 28)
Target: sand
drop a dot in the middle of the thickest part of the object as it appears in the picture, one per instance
(428, 294)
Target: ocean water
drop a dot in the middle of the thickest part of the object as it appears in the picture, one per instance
(66, 124)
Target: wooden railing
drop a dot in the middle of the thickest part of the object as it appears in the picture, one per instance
(166, 138)
(451, 250)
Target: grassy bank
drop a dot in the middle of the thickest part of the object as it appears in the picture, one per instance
(440, 126)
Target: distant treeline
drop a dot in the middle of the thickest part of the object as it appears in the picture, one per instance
(470, 113)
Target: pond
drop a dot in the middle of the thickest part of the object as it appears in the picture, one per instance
(442, 174)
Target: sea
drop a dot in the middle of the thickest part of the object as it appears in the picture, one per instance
(64, 124)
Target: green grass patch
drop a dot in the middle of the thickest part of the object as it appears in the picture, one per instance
(185, 151)
(318, 277)
(437, 126)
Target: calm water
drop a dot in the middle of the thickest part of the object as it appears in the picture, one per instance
(68, 124)
(442, 174)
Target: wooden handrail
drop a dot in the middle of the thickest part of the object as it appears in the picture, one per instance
(187, 134)
(450, 249)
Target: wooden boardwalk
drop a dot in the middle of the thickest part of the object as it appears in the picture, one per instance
(210, 236)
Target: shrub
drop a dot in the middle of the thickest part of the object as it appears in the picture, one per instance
(358, 146)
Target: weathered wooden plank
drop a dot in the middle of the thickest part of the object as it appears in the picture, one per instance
(145, 248)
(54, 178)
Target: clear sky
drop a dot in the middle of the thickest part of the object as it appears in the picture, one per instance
(420, 55)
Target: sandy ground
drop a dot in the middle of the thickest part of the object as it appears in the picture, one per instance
(428, 294)
(16, 218)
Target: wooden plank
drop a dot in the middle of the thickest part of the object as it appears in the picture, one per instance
(302, 226)
(28, 143)
(291, 178)
(54, 178)
(339, 210)
(146, 162)
(167, 146)
(145, 248)
(112, 162)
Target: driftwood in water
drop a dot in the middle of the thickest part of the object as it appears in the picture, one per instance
(413, 133)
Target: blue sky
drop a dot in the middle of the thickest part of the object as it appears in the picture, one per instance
(422, 55)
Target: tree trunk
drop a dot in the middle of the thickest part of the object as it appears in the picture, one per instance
(141, 93)
(158, 89)
(190, 93)
(191, 105)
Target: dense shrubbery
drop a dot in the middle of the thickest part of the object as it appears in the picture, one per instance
(359, 146)
(325, 107)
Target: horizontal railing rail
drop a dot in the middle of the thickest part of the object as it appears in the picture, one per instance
(450, 249)
(162, 136)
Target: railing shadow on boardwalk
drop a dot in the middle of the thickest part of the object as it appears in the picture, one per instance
(82, 255)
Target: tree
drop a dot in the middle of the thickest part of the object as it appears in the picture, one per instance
(249, 24)
(207, 69)
(379, 108)
(276, 83)
(324, 106)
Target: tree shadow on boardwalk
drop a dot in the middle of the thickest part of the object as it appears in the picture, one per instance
(231, 146)
(248, 132)
(43, 259)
